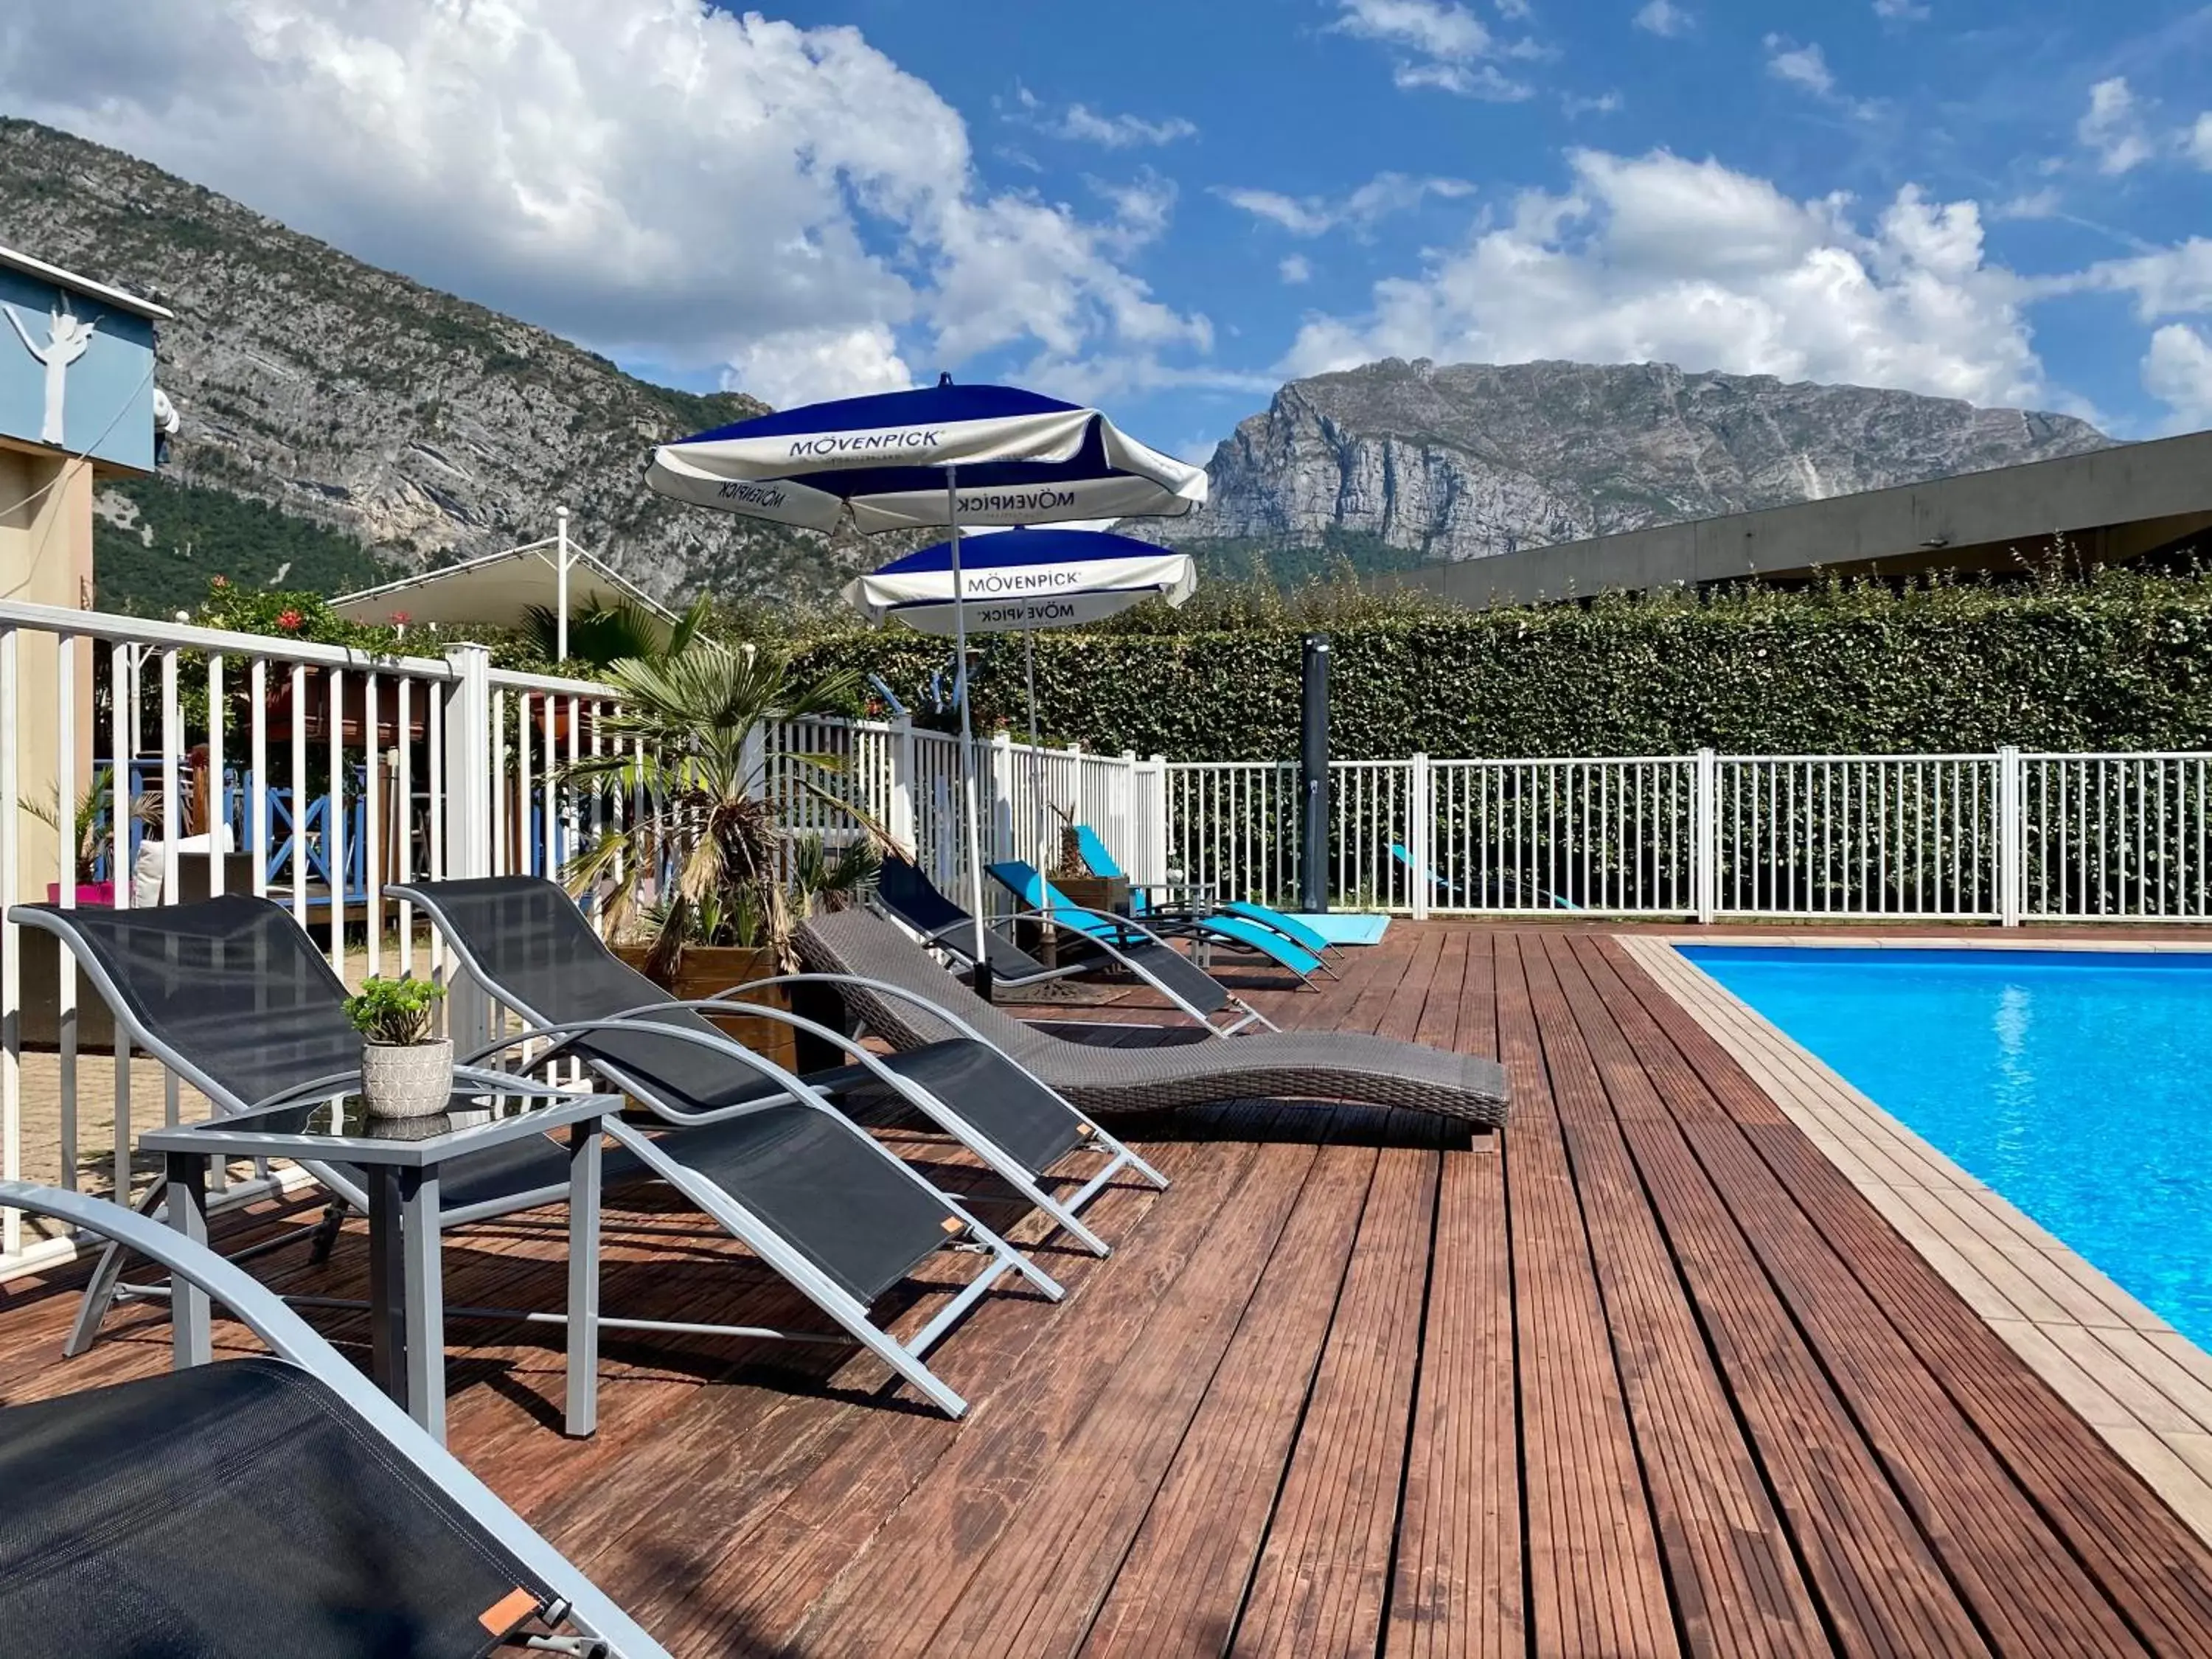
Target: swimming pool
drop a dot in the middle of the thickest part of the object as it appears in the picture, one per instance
(2076, 1083)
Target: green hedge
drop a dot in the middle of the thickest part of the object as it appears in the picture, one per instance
(2123, 662)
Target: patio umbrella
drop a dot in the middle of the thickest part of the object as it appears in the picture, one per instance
(942, 456)
(1022, 579)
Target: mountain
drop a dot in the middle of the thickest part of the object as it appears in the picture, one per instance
(354, 402)
(1474, 459)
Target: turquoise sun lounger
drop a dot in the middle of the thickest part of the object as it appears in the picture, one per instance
(1026, 883)
(1103, 863)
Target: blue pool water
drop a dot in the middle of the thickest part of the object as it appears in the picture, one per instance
(2078, 1083)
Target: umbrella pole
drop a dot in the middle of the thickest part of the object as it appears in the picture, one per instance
(971, 826)
(1028, 676)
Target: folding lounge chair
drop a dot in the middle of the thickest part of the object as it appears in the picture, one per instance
(908, 1000)
(263, 1508)
(1201, 903)
(911, 896)
(232, 996)
(1027, 884)
(524, 940)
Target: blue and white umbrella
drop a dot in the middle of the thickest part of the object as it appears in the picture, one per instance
(1022, 581)
(945, 456)
(884, 462)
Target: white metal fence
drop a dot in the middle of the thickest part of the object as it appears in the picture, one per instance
(2003, 837)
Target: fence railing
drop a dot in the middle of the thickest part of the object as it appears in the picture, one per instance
(2003, 837)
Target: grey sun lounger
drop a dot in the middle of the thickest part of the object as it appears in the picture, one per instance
(231, 996)
(1111, 942)
(263, 1507)
(906, 999)
(524, 940)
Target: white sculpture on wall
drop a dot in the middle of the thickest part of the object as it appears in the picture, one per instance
(67, 338)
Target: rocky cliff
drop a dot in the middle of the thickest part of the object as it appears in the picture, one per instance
(1466, 461)
(423, 425)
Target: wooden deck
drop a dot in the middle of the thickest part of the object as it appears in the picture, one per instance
(1651, 1378)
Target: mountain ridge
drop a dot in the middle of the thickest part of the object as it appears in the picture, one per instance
(1471, 460)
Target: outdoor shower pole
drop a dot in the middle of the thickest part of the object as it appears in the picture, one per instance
(1313, 776)
(970, 829)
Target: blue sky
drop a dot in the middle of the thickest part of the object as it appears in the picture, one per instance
(1170, 208)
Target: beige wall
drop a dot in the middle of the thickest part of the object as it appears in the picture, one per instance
(45, 558)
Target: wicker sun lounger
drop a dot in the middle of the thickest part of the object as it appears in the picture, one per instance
(905, 893)
(525, 941)
(265, 1508)
(231, 996)
(886, 978)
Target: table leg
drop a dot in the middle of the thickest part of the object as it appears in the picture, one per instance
(583, 1401)
(387, 1338)
(190, 1317)
(424, 1315)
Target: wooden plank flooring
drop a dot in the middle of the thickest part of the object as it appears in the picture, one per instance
(1645, 1375)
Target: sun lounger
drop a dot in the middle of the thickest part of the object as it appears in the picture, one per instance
(1200, 902)
(1508, 882)
(915, 901)
(263, 1507)
(524, 940)
(1027, 884)
(234, 999)
(907, 1000)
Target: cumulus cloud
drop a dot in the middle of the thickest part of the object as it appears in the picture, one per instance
(2199, 142)
(1440, 45)
(1663, 18)
(1295, 269)
(1657, 257)
(2170, 282)
(658, 177)
(2112, 128)
(2178, 371)
(1360, 211)
(1901, 11)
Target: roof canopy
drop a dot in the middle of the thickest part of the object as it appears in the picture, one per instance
(497, 590)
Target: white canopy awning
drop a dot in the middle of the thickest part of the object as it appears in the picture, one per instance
(497, 590)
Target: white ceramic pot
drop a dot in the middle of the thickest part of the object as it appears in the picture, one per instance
(413, 1079)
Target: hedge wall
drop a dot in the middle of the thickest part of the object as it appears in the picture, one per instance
(2124, 662)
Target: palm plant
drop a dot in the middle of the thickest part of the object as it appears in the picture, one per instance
(694, 849)
(92, 830)
(608, 634)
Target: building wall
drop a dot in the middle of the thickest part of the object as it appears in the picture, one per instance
(45, 558)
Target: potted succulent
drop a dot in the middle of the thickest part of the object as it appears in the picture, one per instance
(701, 884)
(406, 1071)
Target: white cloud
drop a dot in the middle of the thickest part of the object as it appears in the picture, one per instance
(1664, 18)
(657, 178)
(1605, 103)
(2044, 203)
(1080, 124)
(1295, 269)
(2172, 282)
(2199, 142)
(2177, 370)
(1801, 66)
(1901, 11)
(1513, 10)
(1359, 211)
(1442, 45)
(2112, 128)
(1659, 258)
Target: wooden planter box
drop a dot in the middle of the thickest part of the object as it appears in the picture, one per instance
(1097, 892)
(707, 971)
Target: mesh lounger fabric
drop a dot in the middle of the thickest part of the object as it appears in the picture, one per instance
(236, 988)
(1267, 1065)
(231, 1512)
(914, 900)
(850, 1211)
